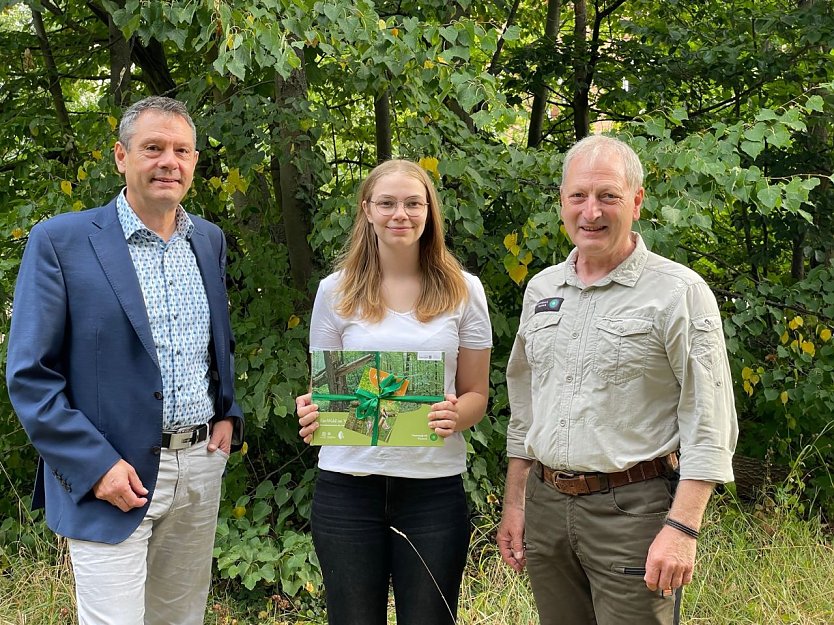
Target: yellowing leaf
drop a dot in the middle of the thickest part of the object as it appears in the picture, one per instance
(112, 121)
(429, 163)
(783, 397)
(492, 499)
(808, 348)
(511, 243)
(66, 187)
(794, 344)
(293, 321)
(235, 182)
(97, 154)
(825, 335)
(381, 24)
(428, 64)
(518, 273)
(748, 388)
(244, 449)
(754, 379)
(525, 260)
(746, 373)
(563, 230)
(309, 587)
(796, 322)
(442, 61)
(77, 205)
(82, 175)
(215, 182)
(238, 511)
(395, 31)
(17, 233)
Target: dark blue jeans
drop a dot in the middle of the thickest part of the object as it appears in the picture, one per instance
(359, 552)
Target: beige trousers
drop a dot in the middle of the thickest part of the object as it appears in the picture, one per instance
(160, 574)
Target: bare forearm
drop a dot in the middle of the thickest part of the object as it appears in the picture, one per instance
(690, 502)
(516, 483)
(471, 409)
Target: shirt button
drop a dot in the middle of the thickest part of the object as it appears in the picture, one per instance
(179, 352)
(569, 378)
(170, 283)
(562, 423)
(176, 316)
(575, 335)
(718, 382)
(157, 395)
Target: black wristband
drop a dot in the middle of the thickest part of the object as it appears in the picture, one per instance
(689, 531)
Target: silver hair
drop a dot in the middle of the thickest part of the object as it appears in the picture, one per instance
(594, 147)
(168, 106)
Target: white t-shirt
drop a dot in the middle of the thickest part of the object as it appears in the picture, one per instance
(467, 327)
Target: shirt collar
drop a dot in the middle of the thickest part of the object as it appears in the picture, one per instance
(626, 273)
(131, 224)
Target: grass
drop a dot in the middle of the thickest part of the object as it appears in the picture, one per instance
(756, 566)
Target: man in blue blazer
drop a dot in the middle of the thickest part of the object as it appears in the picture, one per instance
(120, 368)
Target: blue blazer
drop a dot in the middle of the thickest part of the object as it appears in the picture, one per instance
(82, 368)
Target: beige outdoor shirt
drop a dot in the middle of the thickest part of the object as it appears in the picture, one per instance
(628, 369)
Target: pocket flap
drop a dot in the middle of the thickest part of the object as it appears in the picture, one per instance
(542, 320)
(624, 327)
(707, 324)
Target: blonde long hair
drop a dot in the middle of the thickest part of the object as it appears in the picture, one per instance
(443, 285)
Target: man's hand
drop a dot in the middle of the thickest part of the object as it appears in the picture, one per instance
(671, 560)
(121, 487)
(510, 538)
(221, 436)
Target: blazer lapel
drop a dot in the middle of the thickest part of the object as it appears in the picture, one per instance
(111, 248)
(208, 260)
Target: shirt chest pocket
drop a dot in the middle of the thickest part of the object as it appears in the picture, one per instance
(540, 335)
(621, 348)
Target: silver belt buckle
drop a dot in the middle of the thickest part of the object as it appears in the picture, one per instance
(180, 440)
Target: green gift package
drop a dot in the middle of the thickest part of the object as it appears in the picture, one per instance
(376, 398)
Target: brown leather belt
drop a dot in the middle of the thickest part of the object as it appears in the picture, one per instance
(590, 483)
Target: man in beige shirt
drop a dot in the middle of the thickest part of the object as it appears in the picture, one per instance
(622, 406)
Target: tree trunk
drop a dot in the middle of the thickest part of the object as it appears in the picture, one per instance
(537, 113)
(53, 77)
(581, 73)
(119, 64)
(292, 185)
(382, 127)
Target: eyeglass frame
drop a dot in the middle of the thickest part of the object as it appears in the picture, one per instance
(397, 203)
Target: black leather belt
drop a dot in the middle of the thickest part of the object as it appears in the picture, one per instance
(181, 439)
(590, 483)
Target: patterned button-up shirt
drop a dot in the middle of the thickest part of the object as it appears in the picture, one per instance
(178, 311)
(629, 368)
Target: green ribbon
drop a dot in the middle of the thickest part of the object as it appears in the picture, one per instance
(369, 400)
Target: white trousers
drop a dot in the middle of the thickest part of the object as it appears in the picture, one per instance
(161, 574)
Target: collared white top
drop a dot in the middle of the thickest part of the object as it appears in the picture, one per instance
(178, 312)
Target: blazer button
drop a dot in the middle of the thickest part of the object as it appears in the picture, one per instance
(158, 394)
(156, 450)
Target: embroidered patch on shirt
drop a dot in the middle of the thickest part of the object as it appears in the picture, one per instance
(549, 304)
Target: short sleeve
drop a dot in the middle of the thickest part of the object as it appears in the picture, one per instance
(475, 330)
(325, 331)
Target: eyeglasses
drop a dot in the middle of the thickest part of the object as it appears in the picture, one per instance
(387, 206)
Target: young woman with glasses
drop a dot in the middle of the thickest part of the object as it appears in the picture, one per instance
(397, 288)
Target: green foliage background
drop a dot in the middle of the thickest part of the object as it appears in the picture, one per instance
(728, 104)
